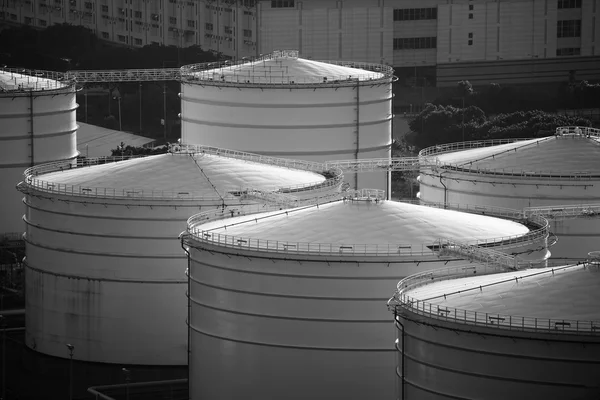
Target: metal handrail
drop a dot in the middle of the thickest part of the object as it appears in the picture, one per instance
(194, 228)
(386, 164)
(400, 300)
(37, 80)
(214, 72)
(32, 182)
(564, 211)
(578, 130)
(519, 173)
(456, 146)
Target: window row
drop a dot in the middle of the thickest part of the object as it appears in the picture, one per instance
(568, 51)
(282, 4)
(413, 14)
(569, 4)
(568, 28)
(415, 43)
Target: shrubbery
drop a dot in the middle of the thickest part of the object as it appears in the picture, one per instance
(438, 124)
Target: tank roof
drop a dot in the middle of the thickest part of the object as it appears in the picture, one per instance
(366, 222)
(285, 67)
(554, 155)
(24, 80)
(548, 293)
(197, 175)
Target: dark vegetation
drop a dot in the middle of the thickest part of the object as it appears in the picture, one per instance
(66, 47)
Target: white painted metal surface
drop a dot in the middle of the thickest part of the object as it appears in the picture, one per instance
(560, 171)
(37, 125)
(290, 107)
(289, 301)
(104, 267)
(480, 332)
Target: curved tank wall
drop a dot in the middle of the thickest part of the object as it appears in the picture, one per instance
(475, 344)
(37, 115)
(296, 320)
(294, 113)
(553, 171)
(104, 268)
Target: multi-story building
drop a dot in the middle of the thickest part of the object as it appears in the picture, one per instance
(429, 42)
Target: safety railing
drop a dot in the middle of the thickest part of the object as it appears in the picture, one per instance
(196, 229)
(578, 130)
(521, 173)
(402, 301)
(24, 80)
(228, 72)
(474, 144)
(125, 75)
(33, 182)
(386, 164)
(560, 212)
(241, 155)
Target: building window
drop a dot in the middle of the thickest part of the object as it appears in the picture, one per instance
(43, 22)
(104, 8)
(470, 42)
(13, 17)
(568, 51)
(172, 20)
(137, 14)
(28, 20)
(191, 23)
(470, 15)
(282, 4)
(470, 7)
(208, 26)
(89, 5)
(414, 43)
(568, 28)
(247, 33)
(228, 30)
(569, 4)
(470, 35)
(411, 14)
(104, 35)
(249, 3)
(122, 38)
(138, 42)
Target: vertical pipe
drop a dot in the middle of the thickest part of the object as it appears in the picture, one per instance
(357, 129)
(86, 105)
(31, 125)
(402, 369)
(140, 94)
(165, 109)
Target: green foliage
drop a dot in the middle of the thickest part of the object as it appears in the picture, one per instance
(438, 124)
(123, 150)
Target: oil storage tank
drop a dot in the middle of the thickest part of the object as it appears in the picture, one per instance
(38, 125)
(104, 268)
(550, 172)
(487, 333)
(289, 301)
(286, 106)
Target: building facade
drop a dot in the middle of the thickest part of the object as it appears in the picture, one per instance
(429, 42)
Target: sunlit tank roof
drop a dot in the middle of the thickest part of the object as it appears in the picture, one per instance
(13, 81)
(286, 67)
(572, 293)
(565, 154)
(182, 172)
(362, 222)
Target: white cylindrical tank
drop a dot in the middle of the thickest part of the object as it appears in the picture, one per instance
(485, 333)
(37, 125)
(290, 301)
(286, 106)
(551, 171)
(104, 266)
